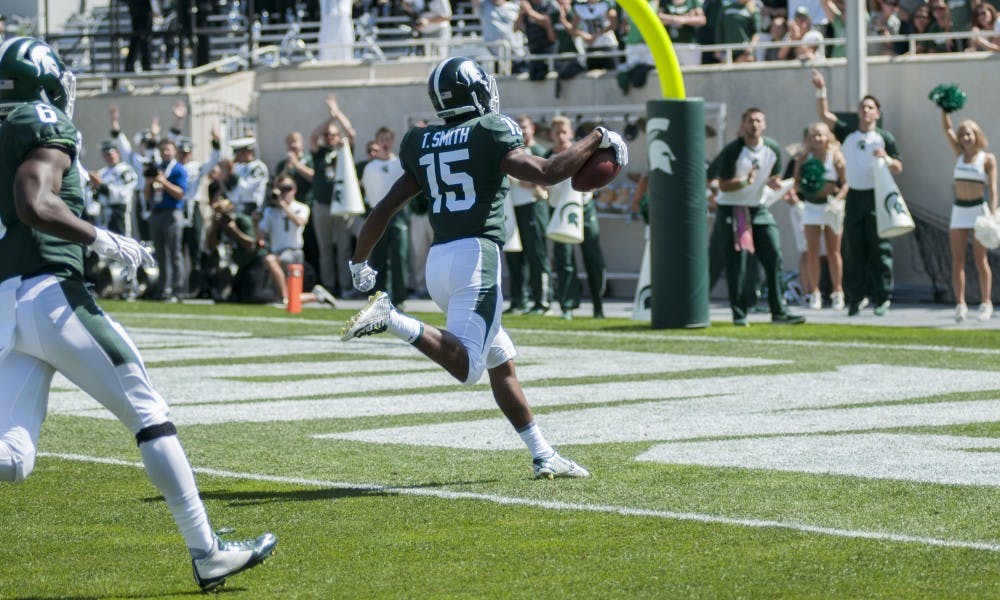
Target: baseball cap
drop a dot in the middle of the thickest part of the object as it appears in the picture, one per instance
(184, 144)
(243, 143)
(802, 11)
(107, 145)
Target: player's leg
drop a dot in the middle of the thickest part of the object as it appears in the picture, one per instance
(510, 398)
(25, 381)
(73, 335)
(463, 278)
(399, 252)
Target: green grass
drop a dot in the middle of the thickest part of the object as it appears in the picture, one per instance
(397, 520)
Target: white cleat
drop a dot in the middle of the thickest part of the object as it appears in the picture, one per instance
(557, 466)
(985, 311)
(230, 558)
(837, 300)
(961, 312)
(372, 319)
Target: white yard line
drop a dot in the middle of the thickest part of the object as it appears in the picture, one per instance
(620, 335)
(553, 505)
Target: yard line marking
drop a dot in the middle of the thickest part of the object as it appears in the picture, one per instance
(616, 335)
(554, 505)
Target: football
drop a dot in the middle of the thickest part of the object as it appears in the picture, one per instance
(599, 170)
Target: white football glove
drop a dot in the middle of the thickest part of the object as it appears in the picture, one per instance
(363, 275)
(611, 139)
(123, 249)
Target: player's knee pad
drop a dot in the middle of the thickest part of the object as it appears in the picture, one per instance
(148, 434)
(501, 350)
(17, 456)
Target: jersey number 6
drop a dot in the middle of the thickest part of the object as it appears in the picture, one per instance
(440, 175)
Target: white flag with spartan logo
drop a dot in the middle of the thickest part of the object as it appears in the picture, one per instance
(892, 217)
(346, 190)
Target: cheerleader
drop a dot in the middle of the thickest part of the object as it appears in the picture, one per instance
(975, 170)
(819, 176)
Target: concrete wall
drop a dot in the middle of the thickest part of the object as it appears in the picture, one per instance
(292, 99)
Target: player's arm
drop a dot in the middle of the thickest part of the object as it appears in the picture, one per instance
(402, 190)
(37, 183)
(523, 165)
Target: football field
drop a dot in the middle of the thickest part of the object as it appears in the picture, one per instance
(821, 460)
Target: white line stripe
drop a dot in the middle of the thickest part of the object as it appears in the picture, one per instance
(553, 505)
(624, 335)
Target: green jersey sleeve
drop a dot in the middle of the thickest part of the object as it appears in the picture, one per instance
(773, 145)
(726, 161)
(26, 251)
(890, 143)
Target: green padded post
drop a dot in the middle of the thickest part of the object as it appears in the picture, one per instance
(675, 132)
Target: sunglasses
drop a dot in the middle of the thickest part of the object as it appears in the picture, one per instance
(980, 13)
(285, 188)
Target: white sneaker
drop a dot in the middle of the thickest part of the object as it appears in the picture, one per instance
(961, 311)
(837, 300)
(816, 301)
(557, 466)
(863, 303)
(230, 558)
(985, 311)
(323, 295)
(372, 319)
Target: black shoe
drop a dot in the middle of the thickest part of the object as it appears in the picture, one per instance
(853, 309)
(741, 323)
(598, 313)
(538, 311)
(787, 319)
(515, 310)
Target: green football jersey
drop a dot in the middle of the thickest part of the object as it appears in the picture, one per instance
(458, 168)
(23, 250)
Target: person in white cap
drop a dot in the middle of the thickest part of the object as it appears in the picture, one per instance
(251, 176)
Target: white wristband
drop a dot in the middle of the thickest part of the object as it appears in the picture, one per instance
(820, 93)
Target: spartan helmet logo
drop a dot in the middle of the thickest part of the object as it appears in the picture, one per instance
(893, 205)
(43, 60)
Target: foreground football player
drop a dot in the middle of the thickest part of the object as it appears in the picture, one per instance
(48, 320)
(462, 167)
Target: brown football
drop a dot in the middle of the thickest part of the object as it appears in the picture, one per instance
(599, 170)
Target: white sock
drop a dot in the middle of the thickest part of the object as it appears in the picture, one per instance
(169, 470)
(404, 326)
(532, 436)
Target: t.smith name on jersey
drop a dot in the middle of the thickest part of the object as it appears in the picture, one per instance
(449, 137)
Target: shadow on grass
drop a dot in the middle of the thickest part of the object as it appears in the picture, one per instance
(251, 498)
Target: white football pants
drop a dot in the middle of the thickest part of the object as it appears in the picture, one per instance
(463, 279)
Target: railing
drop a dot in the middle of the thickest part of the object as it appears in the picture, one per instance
(289, 43)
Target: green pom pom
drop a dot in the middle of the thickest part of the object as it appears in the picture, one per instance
(644, 208)
(948, 97)
(812, 176)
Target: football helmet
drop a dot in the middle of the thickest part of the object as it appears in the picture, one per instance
(30, 70)
(459, 85)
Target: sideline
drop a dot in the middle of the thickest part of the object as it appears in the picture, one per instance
(552, 505)
(603, 334)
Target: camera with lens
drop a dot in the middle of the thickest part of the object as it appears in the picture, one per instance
(150, 170)
(275, 199)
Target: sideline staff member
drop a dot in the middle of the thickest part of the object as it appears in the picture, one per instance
(867, 257)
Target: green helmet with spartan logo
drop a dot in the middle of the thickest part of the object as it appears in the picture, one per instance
(459, 86)
(30, 70)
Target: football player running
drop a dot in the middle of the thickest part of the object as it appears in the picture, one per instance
(462, 167)
(48, 320)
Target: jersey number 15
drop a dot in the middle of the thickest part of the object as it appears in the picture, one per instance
(459, 189)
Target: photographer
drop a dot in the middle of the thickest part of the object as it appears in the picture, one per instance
(282, 226)
(166, 185)
(237, 229)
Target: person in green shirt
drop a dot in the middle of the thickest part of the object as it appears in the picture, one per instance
(462, 167)
(49, 321)
(739, 23)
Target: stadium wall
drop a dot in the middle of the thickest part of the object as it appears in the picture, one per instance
(293, 99)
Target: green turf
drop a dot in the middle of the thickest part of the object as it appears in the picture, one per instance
(396, 520)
